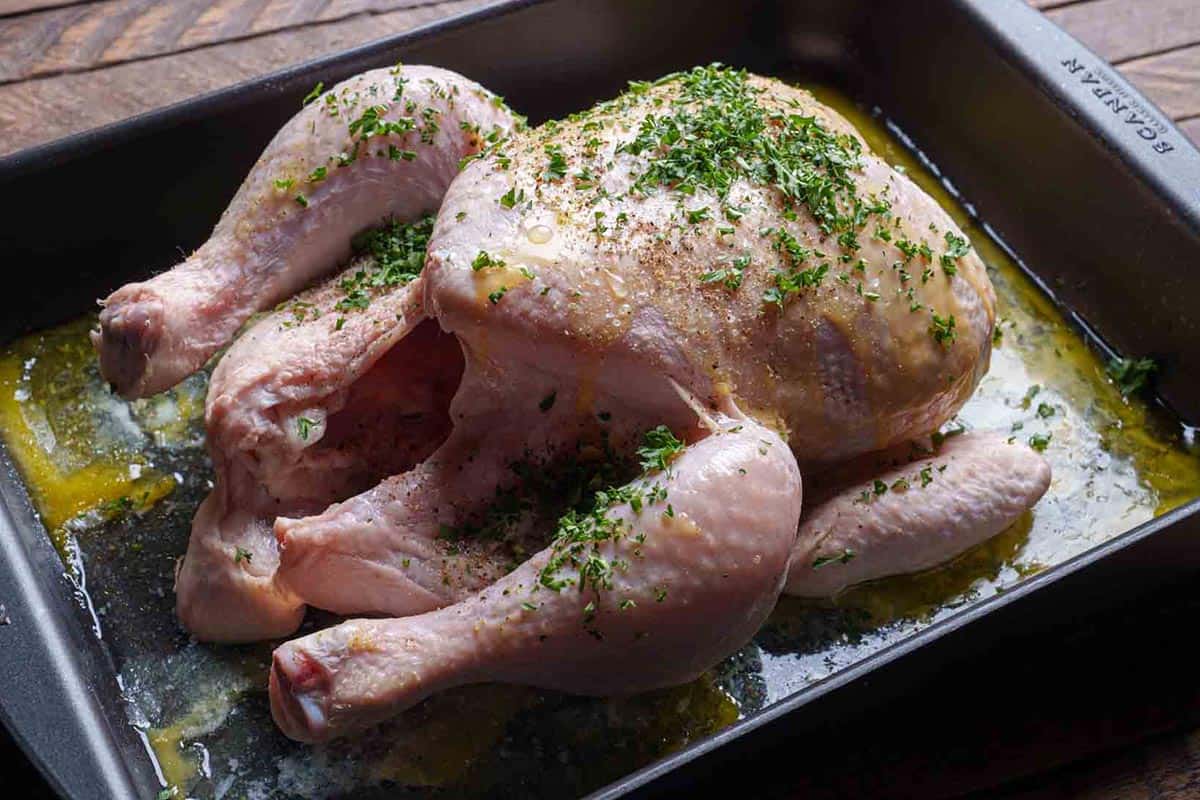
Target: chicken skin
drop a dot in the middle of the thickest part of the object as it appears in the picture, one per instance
(384, 144)
(779, 263)
(699, 551)
(933, 504)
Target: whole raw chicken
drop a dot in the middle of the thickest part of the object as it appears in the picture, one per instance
(663, 308)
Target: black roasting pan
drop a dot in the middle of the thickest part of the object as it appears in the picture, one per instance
(1072, 168)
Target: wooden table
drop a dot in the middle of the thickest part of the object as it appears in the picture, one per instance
(1130, 728)
(69, 65)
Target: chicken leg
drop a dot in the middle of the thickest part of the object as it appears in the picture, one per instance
(916, 515)
(382, 144)
(693, 562)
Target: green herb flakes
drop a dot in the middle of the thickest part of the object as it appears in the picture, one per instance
(1130, 375)
(659, 449)
(843, 557)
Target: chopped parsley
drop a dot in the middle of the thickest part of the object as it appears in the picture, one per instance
(1030, 393)
(942, 330)
(556, 169)
(796, 279)
(314, 94)
(659, 449)
(304, 427)
(1130, 375)
(908, 248)
(576, 548)
(731, 276)
(398, 252)
(512, 197)
(484, 260)
(843, 557)
(599, 228)
(956, 248)
(585, 179)
(793, 282)
(242, 554)
(371, 123)
(577, 540)
(926, 476)
(1039, 441)
(716, 131)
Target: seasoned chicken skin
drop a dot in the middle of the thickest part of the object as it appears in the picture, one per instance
(915, 514)
(700, 559)
(672, 256)
(382, 144)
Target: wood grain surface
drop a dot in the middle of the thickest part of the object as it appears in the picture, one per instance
(136, 55)
(86, 36)
(69, 65)
(100, 89)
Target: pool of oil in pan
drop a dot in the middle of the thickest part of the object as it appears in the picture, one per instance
(116, 484)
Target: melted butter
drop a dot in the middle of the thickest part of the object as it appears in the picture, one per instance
(539, 234)
(679, 524)
(181, 758)
(490, 280)
(441, 743)
(79, 447)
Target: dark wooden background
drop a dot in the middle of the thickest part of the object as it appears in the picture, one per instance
(1107, 709)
